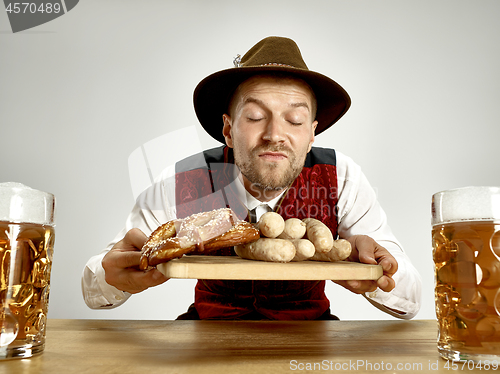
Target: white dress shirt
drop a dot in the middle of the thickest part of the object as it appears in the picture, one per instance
(359, 213)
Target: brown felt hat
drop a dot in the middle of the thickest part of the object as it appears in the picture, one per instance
(272, 54)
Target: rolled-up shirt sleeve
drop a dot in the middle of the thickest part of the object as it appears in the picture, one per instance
(360, 213)
(96, 292)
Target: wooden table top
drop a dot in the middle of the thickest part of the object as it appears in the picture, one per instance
(121, 346)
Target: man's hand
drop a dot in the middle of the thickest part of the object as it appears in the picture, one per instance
(121, 265)
(368, 251)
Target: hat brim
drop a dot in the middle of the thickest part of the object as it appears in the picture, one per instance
(212, 95)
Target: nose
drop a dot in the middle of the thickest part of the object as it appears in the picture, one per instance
(274, 131)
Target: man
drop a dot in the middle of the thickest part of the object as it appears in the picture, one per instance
(267, 110)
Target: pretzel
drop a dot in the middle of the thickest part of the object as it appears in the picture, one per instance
(199, 233)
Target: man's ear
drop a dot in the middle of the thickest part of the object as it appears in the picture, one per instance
(314, 125)
(226, 130)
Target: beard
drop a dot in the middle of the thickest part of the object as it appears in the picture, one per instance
(271, 176)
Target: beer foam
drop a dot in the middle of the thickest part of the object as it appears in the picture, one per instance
(23, 204)
(466, 204)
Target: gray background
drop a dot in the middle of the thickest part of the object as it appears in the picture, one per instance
(79, 94)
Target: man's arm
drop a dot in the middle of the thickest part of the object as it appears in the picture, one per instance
(360, 214)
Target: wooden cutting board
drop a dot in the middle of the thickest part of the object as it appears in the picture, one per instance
(233, 267)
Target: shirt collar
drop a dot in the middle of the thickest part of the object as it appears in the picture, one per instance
(250, 201)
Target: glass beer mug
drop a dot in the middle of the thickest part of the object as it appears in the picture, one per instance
(26, 249)
(466, 252)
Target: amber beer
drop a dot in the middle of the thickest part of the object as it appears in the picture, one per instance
(26, 250)
(466, 253)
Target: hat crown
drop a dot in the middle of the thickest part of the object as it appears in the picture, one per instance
(274, 51)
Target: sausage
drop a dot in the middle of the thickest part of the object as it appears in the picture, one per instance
(304, 249)
(319, 234)
(341, 249)
(271, 224)
(267, 249)
(294, 229)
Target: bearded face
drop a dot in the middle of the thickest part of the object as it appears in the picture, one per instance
(270, 129)
(269, 176)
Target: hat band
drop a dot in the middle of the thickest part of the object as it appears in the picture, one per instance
(277, 64)
(237, 63)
